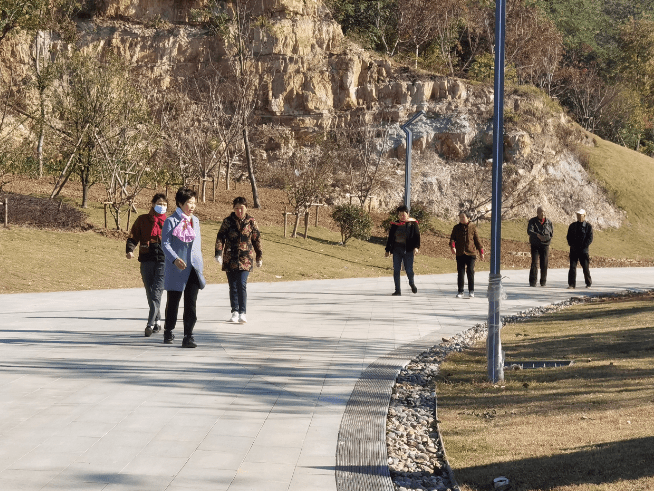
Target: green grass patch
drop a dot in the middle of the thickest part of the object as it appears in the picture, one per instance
(585, 427)
(39, 260)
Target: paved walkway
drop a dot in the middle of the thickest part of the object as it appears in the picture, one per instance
(88, 403)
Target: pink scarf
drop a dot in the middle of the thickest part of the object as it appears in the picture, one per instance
(184, 230)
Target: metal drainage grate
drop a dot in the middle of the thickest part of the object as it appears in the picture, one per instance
(538, 364)
(361, 456)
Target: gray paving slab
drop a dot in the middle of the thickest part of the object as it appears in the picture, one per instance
(87, 402)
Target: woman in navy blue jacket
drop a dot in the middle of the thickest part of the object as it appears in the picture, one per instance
(181, 243)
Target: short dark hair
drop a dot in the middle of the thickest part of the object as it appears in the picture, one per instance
(402, 208)
(240, 201)
(183, 195)
(159, 196)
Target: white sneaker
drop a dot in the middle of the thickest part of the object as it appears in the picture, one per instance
(242, 319)
(459, 295)
(472, 294)
(234, 317)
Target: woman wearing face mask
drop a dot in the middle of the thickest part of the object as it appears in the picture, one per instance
(182, 247)
(237, 243)
(146, 234)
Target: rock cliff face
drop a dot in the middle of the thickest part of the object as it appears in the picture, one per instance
(311, 78)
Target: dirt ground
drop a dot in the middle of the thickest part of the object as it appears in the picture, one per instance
(274, 203)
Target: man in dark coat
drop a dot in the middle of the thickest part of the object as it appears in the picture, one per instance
(464, 243)
(580, 236)
(540, 232)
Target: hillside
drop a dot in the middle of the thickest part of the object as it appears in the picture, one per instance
(311, 78)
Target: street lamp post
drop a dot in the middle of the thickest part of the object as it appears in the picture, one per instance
(407, 168)
(493, 342)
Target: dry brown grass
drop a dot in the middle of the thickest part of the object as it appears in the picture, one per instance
(586, 427)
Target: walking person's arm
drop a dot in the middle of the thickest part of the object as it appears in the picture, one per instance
(133, 239)
(255, 238)
(480, 248)
(220, 241)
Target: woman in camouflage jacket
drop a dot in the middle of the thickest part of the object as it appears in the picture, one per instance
(238, 245)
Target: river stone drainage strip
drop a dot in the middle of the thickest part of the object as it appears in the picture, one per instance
(362, 460)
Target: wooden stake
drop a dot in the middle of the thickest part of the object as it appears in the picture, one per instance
(306, 224)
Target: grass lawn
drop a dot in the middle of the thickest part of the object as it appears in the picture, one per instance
(586, 427)
(36, 260)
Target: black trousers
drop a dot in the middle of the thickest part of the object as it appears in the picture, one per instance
(190, 300)
(581, 257)
(539, 257)
(465, 264)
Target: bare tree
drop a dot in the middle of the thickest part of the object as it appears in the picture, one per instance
(307, 174)
(96, 98)
(417, 24)
(126, 154)
(361, 149)
(243, 67)
(202, 128)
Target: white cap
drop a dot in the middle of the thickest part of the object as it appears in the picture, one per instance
(580, 211)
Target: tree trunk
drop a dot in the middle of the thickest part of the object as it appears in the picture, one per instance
(253, 181)
(228, 168)
(39, 146)
(297, 224)
(85, 179)
(203, 187)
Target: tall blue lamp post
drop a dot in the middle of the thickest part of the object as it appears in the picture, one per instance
(407, 168)
(493, 343)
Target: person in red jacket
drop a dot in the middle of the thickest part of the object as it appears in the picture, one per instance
(146, 234)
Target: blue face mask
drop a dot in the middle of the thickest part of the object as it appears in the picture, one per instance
(160, 209)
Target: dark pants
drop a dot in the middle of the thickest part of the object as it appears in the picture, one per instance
(539, 256)
(152, 273)
(401, 255)
(582, 258)
(238, 290)
(466, 264)
(190, 299)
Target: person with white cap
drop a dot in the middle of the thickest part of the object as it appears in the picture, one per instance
(580, 236)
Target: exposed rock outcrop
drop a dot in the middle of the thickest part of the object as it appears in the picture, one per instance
(311, 77)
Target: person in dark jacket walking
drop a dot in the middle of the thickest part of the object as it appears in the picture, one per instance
(463, 242)
(540, 231)
(580, 236)
(403, 242)
(146, 234)
(238, 245)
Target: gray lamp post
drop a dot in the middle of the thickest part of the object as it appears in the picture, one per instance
(493, 343)
(407, 168)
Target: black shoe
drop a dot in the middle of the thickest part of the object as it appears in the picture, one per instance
(188, 342)
(414, 289)
(543, 284)
(148, 331)
(156, 328)
(533, 285)
(396, 293)
(168, 337)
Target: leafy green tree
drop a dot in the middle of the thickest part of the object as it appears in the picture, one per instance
(373, 22)
(353, 221)
(582, 23)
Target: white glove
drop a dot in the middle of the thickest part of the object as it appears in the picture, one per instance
(259, 263)
(219, 259)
